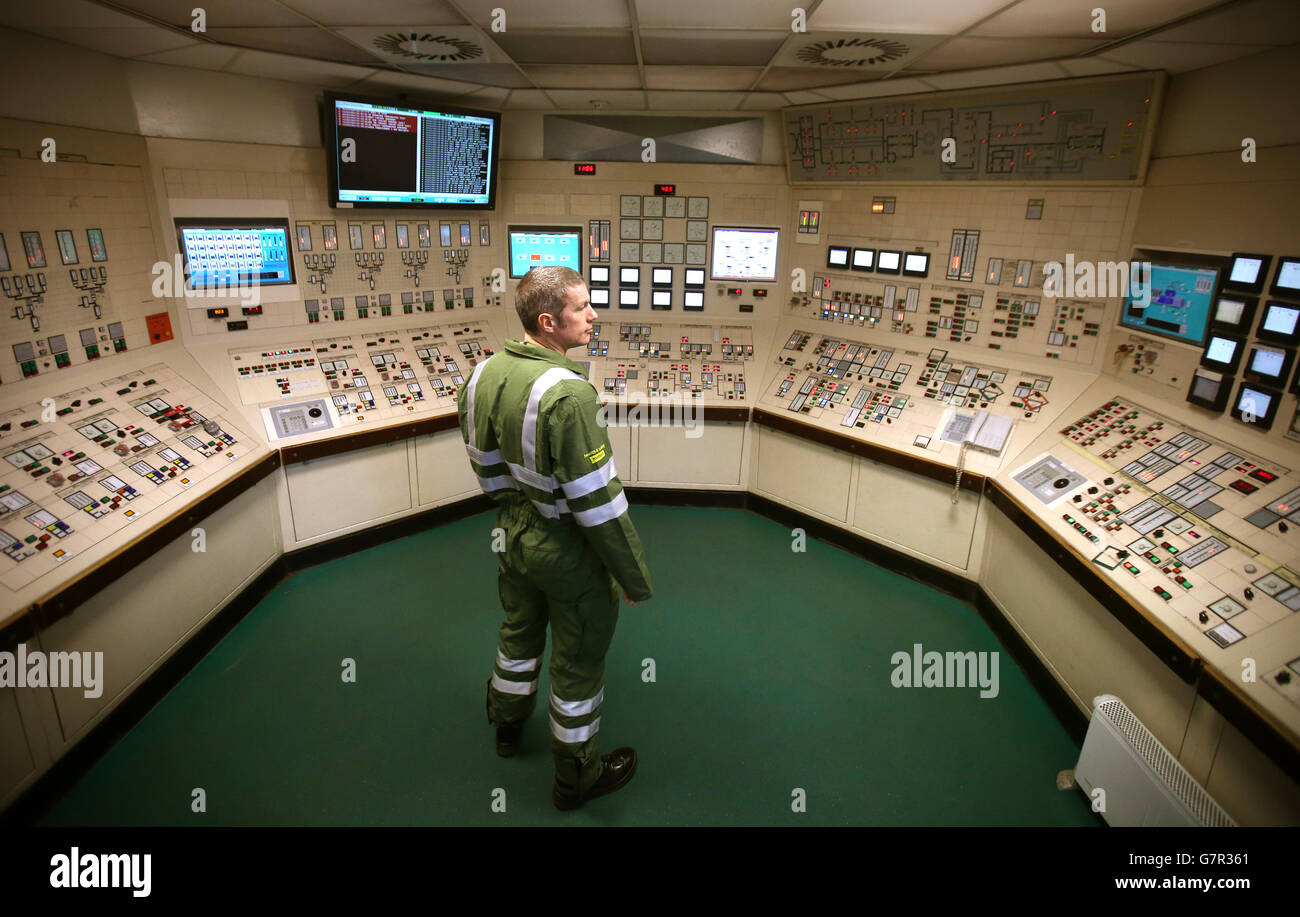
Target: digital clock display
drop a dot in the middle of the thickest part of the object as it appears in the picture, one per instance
(584, 168)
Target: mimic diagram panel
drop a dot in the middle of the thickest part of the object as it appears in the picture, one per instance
(1016, 321)
(668, 362)
(1088, 130)
(102, 458)
(315, 385)
(1181, 520)
(900, 397)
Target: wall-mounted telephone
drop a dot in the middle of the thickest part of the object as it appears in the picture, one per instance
(985, 432)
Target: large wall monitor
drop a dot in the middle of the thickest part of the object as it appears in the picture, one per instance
(1172, 300)
(224, 254)
(544, 246)
(386, 153)
(743, 253)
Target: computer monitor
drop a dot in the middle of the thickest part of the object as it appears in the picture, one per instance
(1280, 323)
(225, 254)
(1256, 405)
(1223, 352)
(1286, 282)
(544, 246)
(916, 264)
(1270, 365)
(1234, 313)
(600, 297)
(1209, 390)
(1171, 300)
(629, 299)
(837, 256)
(393, 153)
(661, 299)
(1246, 273)
(629, 276)
(694, 278)
(864, 259)
(598, 274)
(661, 276)
(693, 300)
(888, 262)
(745, 253)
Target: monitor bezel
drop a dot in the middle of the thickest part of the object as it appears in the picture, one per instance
(1230, 367)
(886, 270)
(180, 223)
(523, 227)
(661, 284)
(1218, 403)
(329, 136)
(1275, 337)
(591, 275)
(1265, 421)
(911, 273)
(1279, 380)
(853, 260)
(1254, 288)
(1284, 292)
(848, 257)
(1249, 306)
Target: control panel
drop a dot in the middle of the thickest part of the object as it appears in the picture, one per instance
(696, 363)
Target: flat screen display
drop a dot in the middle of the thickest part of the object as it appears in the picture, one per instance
(693, 299)
(1280, 322)
(1256, 405)
(1247, 272)
(864, 259)
(1206, 388)
(229, 253)
(1229, 311)
(1287, 281)
(744, 254)
(661, 299)
(1267, 362)
(599, 274)
(600, 296)
(544, 246)
(661, 276)
(1172, 301)
(695, 277)
(629, 275)
(916, 264)
(629, 298)
(1222, 351)
(1210, 391)
(837, 256)
(386, 153)
(889, 262)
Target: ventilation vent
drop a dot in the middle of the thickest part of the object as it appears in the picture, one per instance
(852, 52)
(426, 47)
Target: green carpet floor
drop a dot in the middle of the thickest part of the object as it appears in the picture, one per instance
(773, 674)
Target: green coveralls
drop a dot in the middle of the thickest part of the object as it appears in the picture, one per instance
(528, 418)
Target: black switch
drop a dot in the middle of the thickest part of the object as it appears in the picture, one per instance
(1092, 490)
(1158, 533)
(1203, 617)
(1249, 593)
(1108, 481)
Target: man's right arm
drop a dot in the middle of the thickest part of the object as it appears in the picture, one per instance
(584, 468)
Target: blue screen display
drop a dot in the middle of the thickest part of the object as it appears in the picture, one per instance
(530, 248)
(220, 257)
(1178, 305)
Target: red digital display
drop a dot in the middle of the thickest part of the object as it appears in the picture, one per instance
(666, 190)
(1260, 474)
(584, 168)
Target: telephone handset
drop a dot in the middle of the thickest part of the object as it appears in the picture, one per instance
(986, 432)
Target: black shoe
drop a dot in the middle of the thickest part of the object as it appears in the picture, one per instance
(620, 765)
(508, 740)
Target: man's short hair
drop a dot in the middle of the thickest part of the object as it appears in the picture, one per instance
(543, 289)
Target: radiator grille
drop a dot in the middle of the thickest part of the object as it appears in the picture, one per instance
(1165, 765)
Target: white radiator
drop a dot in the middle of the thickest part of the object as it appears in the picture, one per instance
(1144, 784)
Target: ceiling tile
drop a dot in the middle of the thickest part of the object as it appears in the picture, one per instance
(220, 13)
(1178, 57)
(308, 42)
(485, 74)
(1093, 66)
(203, 56)
(547, 15)
(615, 99)
(297, 69)
(132, 42)
(965, 53)
(997, 76)
(803, 97)
(604, 47)
(695, 101)
(725, 14)
(725, 49)
(763, 101)
(877, 89)
(386, 81)
(1262, 22)
(1073, 18)
(533, 99)
(785, 79)
(701, 78)
(933, 17)
(388, 13)
(578, 77)
(488, 96)
(31, 17)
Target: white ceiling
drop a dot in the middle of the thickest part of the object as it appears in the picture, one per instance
(666, 55)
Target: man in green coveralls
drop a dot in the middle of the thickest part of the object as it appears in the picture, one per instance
(528, 416)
